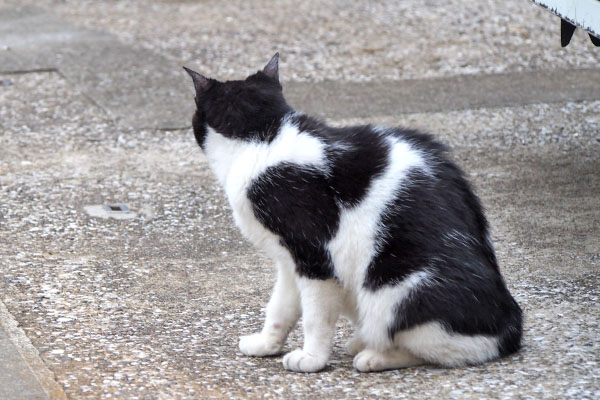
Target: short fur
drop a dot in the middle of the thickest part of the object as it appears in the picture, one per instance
(374, 223)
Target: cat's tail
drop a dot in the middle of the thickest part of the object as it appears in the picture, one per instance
(509, 340)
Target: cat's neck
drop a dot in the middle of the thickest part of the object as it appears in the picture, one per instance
(222, 153)
(237, 162)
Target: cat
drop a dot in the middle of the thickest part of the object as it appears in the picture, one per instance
(376, 224)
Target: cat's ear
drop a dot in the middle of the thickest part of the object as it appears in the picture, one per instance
(201, 82)
(272, 68)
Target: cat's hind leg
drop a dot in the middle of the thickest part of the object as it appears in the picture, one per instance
(282, 314)
(322, 302)
(371, 360)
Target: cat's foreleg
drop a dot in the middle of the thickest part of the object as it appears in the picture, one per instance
(282, 314)
(321, 306)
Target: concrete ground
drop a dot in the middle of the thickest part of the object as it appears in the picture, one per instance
(95, 109)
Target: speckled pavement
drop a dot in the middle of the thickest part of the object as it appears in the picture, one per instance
(152, 306)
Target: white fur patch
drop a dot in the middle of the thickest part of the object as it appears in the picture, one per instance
(377, 309)
(435, 344)
(282, 313)
(243, 161)
(322, 302)
(369, 360)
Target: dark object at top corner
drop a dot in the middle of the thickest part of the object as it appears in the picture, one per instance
(566, 33)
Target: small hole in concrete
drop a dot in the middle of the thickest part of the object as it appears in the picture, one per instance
(116, 208)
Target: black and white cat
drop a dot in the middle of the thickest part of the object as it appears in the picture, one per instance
(372, 223)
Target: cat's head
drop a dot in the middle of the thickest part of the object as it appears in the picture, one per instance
(248, 109)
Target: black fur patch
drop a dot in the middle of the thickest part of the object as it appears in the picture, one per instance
(199, 127)
(298, 204)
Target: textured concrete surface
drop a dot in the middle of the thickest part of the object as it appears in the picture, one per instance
(143, 89)
(140, 88)
(335, 99)
(339, 39)
(152, 307)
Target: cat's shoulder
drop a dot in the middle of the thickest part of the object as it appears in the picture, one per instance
(367, 134)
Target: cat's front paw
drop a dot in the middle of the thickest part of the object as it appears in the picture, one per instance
(369, 361)
(301, 361)
(259, 345)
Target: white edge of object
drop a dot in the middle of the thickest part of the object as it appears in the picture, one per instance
(99, 211)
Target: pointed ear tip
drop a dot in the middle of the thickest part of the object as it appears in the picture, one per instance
(189, 71)
(273, 62)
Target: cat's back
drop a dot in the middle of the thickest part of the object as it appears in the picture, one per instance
(398, 194)
(371, 166)
(358, 157)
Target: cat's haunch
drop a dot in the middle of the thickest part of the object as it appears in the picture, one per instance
(376, 224)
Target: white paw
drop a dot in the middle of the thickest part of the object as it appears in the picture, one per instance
(354, 345)
(301, 361)
(259, 345)
(369, 361)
